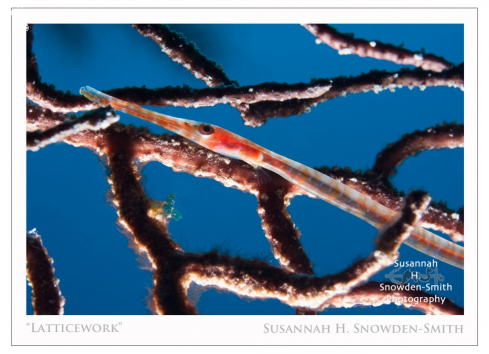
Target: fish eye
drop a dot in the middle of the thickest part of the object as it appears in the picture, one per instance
(206, 129)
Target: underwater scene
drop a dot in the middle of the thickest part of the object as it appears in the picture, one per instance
(214, 210)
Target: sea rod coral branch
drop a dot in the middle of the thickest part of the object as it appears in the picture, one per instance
(174, 45)
(39, 118)
(258, 103)
(345, 44)
(376, 81)
(94, 120)
(280, 230)
(259, 280)
(282, 233)
(46, 296)
(189, 97)
(442, 136)
(150, 236)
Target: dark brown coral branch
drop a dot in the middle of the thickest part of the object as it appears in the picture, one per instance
(376, 81)
(174, 45)
(98, 119)
(345, 44)
(415, 205)
(46, 296)
(39, 118)
(442, 136)
(150, 235)
(371, 294)
(259, 103)
(280, 230)
(282, 233)
(450, 222)
(189, 97)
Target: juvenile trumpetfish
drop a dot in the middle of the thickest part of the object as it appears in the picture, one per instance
(320, 185)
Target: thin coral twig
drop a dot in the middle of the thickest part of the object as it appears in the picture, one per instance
(259, 113)
(46, 296)
(174, 45)
(345, 44)
(442, 136)
(101, 118)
